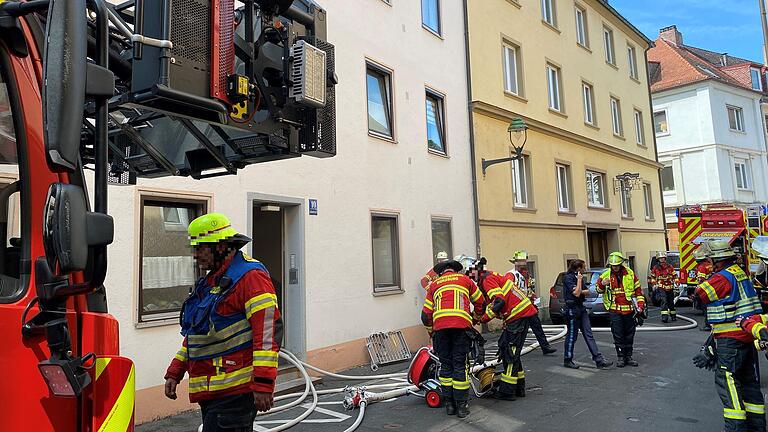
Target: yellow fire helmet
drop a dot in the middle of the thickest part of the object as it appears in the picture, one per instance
(720, 249)
(520, 255)
(213, 228)
(760, 246)
(616, 258)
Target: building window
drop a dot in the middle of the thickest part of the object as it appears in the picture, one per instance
(555, 92)
(618, 129)
(589, 103)
(736, 118)
(442, 239)
(626, 200)
(632, 54)
(548, 13)
(660, 124)
(563, 187)
(639, 131)
(648, 201)
(430, 15)
(582, 37)
(595, 189)
(610, 53)
(386, 253)
(511, 59)
(435, 122)
(757, 79)
(743, 182)
(667, 179)
(521, 182)
(168, 269)
(379, 87)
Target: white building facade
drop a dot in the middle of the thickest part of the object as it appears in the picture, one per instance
(346, 239)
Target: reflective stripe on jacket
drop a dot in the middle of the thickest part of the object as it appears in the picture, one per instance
(740, 301)
(618, 293)
(515, 303)
(663, 276)
(448, 300)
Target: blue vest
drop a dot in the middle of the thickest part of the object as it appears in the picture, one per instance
(208, 333)
(742, 302)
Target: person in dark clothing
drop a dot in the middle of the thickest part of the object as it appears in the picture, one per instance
(577, 316)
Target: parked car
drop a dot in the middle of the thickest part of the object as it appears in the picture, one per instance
(681, 290)
(593, 301)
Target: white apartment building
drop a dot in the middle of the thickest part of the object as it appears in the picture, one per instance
(709, 125)
(399, 189)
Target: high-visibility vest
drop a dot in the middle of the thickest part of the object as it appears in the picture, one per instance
(627, 283)
(742, 301)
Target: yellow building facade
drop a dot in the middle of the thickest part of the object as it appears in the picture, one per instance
(575, 71)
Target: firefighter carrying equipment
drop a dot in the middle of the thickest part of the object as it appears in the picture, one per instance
(616, 258)
(213, 228)
(707, 356)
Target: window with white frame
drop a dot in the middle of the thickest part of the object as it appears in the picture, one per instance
(442, 239)
(632, 57)
(660, 123)
(618, 128)
(548, 13)
(168, 269)
(610, 53)
(648, 201)
(639, 130)
(735, 118)
(626, 200)
(511, 60)
(563, 173)
(757, 79)
(435, 122)
(582, 36)
(589, 103)
(379, 89)
(555, 89)
(521, 182)
(743, 176)
(386, 253)
(430, 15)
(667, 179)
(596, 189)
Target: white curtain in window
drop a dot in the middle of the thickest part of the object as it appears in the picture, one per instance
(169, 271)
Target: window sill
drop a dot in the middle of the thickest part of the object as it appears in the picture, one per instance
(567, 213)
(509, 94)
(627, 218)
(745, 190)
(737, 131)
(382, 137)
(643, 146)
(558, 113)
(611, 65)
(592, 207)
(531, 210)
(584, 47)
(662, 135)
(431, 30)
(395, 291)
(157, 323)
(551, 27)
(593, 126)
(635, 79)
(438, 153)
(621, 137)
(650, 219)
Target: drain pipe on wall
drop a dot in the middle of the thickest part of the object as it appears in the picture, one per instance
(473, 159)
(663, 215)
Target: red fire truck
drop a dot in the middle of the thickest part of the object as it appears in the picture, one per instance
(699, 223)
(146, 88)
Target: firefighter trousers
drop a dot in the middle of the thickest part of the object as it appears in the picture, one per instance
(452, 347)
(623, 329)
(737, 379)
(229, 413)
(511, 345)
(538, 331)
(668, 305)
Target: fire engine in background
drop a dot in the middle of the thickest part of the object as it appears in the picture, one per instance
(699, 223)
(146, 88)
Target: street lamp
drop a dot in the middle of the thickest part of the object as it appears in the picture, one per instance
(518, 131)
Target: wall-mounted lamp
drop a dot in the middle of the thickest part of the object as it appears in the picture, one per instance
(518, 133)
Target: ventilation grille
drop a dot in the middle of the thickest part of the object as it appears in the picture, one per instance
(191, 29)
(308, 74)
(318, 137)
(224, 49)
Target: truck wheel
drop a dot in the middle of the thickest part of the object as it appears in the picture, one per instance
(433, 399)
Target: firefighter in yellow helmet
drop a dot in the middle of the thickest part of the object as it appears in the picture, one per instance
(623, 299)
(232, 331)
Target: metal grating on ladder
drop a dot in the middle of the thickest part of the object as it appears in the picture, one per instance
(386, 348)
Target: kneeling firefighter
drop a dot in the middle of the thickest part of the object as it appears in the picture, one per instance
(232, 331)
(509, 304)
(448, 318)
(730, 298)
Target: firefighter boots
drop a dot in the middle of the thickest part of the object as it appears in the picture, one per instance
(462, 409)
(630, 362)
(620, 360)
(450, 407)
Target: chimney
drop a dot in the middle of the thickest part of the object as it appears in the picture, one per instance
(670, 34)
(724, 60)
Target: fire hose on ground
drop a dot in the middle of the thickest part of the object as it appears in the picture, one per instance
(360, 397)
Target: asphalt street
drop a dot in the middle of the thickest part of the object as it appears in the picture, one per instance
(666, 392)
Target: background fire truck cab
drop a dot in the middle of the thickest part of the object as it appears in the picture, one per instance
(699, 223)
(145, 88)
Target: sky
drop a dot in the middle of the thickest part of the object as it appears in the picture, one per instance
(726, 26)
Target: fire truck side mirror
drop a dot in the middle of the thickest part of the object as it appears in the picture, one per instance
(66, 51)
(70, 231)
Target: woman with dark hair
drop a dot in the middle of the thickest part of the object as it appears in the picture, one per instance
(577, 317)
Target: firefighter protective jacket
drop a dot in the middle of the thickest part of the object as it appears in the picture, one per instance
(233, 334)
(663, 277)
(755, 325)
(618, 291)
(448, 302)
(506, 300)
(729, 294)
(703, 271)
